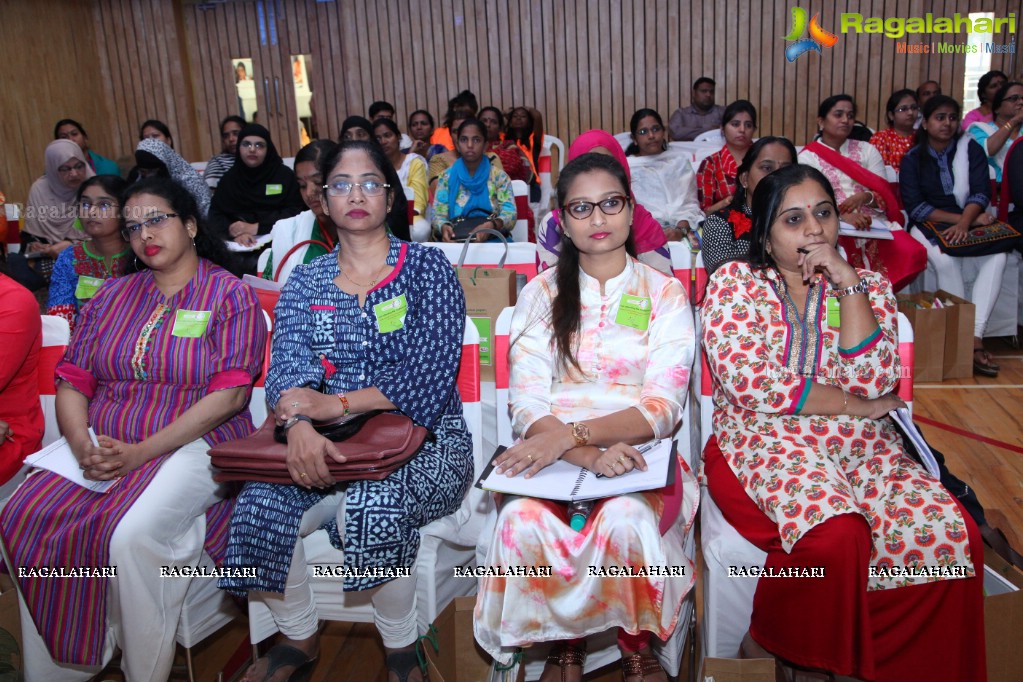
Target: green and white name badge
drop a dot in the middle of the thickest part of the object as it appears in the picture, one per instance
(833, 312)
(87, 287)
(482, 325)
(271, 190)
(634, 311)
(190, 324)
(391, 314)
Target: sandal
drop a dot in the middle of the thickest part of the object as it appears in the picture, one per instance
(282, 656)
(565, 655)
(983, 364)
(641, 664)
(402, 663)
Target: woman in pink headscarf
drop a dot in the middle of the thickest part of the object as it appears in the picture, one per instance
(647, 234)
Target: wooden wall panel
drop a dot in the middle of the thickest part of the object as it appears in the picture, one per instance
(583, 63)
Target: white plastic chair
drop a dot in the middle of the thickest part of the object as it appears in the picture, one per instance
(728, 601)
(446, 543)
(712, 136)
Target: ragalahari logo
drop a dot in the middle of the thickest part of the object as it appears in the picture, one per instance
(818, 36)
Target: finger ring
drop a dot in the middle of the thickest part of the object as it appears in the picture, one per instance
(622, 459)
(304, 475)
(530, 458)
(295, 404)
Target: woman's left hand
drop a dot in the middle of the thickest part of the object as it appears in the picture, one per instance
(825, 259)
(240, 227)
(305, 401)
(533, 454)
(855, 201)
(861, 221)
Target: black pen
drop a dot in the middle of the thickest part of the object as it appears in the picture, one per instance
(802, 250)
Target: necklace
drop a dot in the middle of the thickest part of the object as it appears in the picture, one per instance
(372, 283)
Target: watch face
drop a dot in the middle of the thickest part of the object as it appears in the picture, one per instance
(581, 433)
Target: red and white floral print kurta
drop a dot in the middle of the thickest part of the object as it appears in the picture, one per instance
(804, 469)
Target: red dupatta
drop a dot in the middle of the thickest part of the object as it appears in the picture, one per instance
(859, 174)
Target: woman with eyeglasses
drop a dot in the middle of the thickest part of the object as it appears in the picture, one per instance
(899, 137)
(806, 464)
(716, 178)
(51, 214)
(82, 269)
(258, 191)
(473, 187)
(336, 352)
(856, 172)
(159, 369)
(663, 182)
(601, 350)
(999, 135)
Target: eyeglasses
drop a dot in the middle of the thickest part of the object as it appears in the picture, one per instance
(1012, 98)
(342, 188)
(104, 208)
(652, 130)
(248, 144)
(908, 107)
(77, 168)
(613, 205)
(157, 222)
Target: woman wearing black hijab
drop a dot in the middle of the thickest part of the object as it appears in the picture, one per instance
(258, 191)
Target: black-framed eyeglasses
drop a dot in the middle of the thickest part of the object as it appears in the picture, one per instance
(79, 167)
(612, 205)
(342, 188)
(157, 222)
(1012, 98)
(249, 144)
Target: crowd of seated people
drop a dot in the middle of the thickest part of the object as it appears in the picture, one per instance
(167, 342)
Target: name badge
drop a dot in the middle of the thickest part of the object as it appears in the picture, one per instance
(190, 324)
(634, 311)
(274, 189)
(391, 314)
(87, 287)
(834, 312)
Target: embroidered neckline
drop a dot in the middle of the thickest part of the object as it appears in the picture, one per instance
(142, 344)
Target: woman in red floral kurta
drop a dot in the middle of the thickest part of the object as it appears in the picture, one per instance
(803, 349)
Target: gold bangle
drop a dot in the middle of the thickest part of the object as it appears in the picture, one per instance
(344, 403)
(1008, 126)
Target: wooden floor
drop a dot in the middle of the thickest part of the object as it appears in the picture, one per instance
(991, 408)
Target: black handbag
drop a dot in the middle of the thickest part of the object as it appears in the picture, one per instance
(464, 225)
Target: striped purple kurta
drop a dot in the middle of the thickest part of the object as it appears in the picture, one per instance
(133, 357)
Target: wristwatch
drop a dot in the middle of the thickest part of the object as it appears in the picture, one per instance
(858, 288)
(581, 433)
(296, 419)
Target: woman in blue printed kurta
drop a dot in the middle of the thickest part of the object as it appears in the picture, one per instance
(334, 352)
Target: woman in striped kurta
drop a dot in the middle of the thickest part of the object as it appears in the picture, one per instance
(160, 366)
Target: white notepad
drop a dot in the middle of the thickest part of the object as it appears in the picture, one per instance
(58, 458)
(877, 230)
(568, 482)
(902, 416)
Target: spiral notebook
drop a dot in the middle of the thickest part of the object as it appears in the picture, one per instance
(568, 482)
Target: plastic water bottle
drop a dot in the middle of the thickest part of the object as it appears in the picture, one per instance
(578, 512)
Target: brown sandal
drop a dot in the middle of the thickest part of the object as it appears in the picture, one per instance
(983, 364)
(640, 664)
(564, 655)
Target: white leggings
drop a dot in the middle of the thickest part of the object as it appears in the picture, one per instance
(950, 278)
(294, 612)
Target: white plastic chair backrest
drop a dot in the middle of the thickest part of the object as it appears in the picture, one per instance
(501, 369)
(257, 401)
(556, 143)
(520, 232)
(714, 136)
(56, 335)
(289, 161)
(624, 139)
(199, 166)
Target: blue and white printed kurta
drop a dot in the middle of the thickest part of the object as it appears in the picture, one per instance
(325, 341)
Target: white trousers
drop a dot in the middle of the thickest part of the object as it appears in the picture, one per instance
(294, 612)
(166, 526)
(950, 278)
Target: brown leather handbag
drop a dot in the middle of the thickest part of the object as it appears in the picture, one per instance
(383, 443)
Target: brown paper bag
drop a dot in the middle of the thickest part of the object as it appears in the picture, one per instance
(959, 318)
(738, 670)
(488, 291)
(456, 657)
(10, 632)
(1003, 618)
(928, 336)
